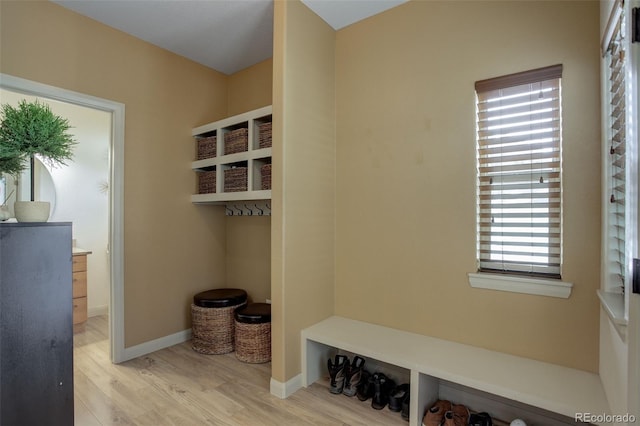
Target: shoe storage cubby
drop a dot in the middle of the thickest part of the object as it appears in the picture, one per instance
(505, 386)
(234, 155)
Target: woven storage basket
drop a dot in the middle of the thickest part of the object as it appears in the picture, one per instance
(236, 141)
(213, 325)
(207, 182)
(235, 179)
(264, 135)
(265, 174)
(253, 333)
(206, 147)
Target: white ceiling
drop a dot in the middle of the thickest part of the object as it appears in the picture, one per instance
(226, 35)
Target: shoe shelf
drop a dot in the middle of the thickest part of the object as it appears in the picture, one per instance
(509, 386)
(239, 159)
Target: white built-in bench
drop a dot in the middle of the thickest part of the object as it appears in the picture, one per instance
(509, 386)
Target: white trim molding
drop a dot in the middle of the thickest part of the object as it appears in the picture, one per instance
(613, 305)
(155, 345)
(116, 220)
(98, 310)
(517, 284)
(286, 389)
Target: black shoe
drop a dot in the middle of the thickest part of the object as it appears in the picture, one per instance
(480, 419)
(381, 386)
(406, 404)
(365, 388)
(336, 373)
(353, 376)
(397, 396)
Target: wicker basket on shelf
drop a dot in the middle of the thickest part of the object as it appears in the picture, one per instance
(207, 182)
(264, 135)
(236, 141)
(235, 179)
(207, 147)
(265, 173)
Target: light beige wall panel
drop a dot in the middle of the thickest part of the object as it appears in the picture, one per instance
(173, 249)
(405, 203)
(248, 255)
(277, 186)
(304, 173)
(248, 249)
(250, 88)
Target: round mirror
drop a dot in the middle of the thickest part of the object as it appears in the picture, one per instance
(44, 189)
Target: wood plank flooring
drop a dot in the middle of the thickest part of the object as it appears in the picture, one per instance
(177, 386)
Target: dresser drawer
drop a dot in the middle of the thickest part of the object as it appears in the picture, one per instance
(79, 310)
(79, 284)
(79, 263)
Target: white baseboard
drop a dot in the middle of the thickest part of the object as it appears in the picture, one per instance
(96, 311)
(155, 345)
(284, 390)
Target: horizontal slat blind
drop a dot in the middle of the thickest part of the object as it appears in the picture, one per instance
(615, 56)
(519, 173)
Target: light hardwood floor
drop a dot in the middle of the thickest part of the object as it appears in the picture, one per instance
(177, 386)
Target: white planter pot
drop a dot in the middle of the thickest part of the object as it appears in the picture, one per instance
(4, 213)
(32, 211)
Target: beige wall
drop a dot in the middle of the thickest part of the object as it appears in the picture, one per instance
(173, 249)
(304, 180)
(250, 88)
(405, 197)
(248, 248)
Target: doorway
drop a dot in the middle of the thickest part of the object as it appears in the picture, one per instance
(108, 297)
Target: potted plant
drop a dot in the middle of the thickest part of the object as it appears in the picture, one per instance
(28, 130)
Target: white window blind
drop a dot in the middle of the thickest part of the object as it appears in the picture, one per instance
(615, 57)
(519, 207)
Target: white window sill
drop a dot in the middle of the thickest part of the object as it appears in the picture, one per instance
(613, 305)
(518, 284)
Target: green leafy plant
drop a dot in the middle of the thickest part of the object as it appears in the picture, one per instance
(32, 129)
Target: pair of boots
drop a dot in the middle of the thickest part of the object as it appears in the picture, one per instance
(444, 413)
(345, 376)
(377, 387)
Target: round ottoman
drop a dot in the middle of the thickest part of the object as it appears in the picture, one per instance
(212, 321)
(253, 333)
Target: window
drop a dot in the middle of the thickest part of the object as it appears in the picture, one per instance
(519, 203)
(614, 57)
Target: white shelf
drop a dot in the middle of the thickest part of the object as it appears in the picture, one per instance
(437, 365)
(230, 197)
(255, 154)
(253, 158)
(231, 121)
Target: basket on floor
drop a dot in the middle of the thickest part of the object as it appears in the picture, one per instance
(253, 333)
(212, 320)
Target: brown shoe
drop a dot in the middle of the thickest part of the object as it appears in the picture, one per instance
(435, 414)
(458, 416)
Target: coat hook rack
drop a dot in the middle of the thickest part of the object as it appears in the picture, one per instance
(257, 208)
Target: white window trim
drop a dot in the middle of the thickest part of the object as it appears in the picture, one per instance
(613, 305)
(518, 284)
(610, 294)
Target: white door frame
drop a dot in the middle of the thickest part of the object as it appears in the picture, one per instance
(116, 193)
